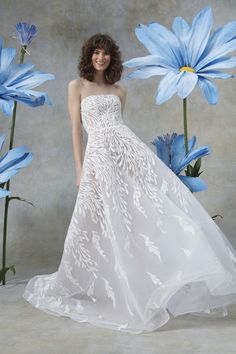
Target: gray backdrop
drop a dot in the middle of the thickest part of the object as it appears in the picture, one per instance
(36, 234)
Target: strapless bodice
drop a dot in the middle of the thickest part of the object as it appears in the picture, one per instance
(101, 112)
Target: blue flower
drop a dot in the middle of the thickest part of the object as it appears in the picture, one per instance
(25, 32)
(11, 162)
(187, 56)
(17, 82)
(171, 150)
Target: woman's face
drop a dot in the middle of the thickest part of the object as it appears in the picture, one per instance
(100, 59)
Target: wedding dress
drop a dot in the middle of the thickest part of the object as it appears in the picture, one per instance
(139, 246)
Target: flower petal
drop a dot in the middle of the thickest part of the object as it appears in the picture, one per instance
(11, 155)
(186, 84)
(149, 60)
(195, 154)
(182, 31)
(200, 32)
(31, 100)
(162, 150)
(222, 35)
(10, 163)
(146, 72)
(6, 175)
(2, 140)
(177, 152)
(167, 43)
(160, 41)
(215, 74)
(35, 78)
(167, 87)
(216, 53)
(42, 95)
(4, 193)
(195, 184)
(220, 63)
(209, 90)
(6, 106)
(17, 72)
(191, 143)
(7, 56)
(145, 39)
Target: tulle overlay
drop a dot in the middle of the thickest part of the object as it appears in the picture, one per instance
(139, 246)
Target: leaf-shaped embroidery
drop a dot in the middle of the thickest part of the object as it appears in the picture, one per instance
(110, 292)
(160, 224)
(96, 238)
(186, 251)
(68, 272)
(155, 279)
(151, 247)
(123, 326)
(79, 306)
(90, 291)
(185, 224)
(136, 196)
(164, 186)
(75, 245)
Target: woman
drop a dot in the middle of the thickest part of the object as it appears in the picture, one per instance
(139, 246)
(93, 80)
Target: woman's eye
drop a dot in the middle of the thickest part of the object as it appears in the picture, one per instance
(96, 52)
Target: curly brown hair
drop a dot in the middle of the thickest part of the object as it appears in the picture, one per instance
(100, 41)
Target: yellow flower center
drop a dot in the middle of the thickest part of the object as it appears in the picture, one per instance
(187, 68)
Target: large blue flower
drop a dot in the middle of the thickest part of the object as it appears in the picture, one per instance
(171, 150)
(11, 162)
(17, 82)
(187, 56)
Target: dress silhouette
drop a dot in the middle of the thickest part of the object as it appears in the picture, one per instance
(139, 246)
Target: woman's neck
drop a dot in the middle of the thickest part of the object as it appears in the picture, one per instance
(99, 79)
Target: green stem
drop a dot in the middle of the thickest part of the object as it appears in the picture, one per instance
(185, 124)
(185, 130)
(4, 247)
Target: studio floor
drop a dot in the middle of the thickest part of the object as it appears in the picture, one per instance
(27, 330)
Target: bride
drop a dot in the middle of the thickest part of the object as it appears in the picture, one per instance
(99, 74)
(139, 246)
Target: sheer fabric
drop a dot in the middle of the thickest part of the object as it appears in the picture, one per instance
(139, 246)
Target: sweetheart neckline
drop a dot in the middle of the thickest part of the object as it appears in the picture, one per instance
(101, 94)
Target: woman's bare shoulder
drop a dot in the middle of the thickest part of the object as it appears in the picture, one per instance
(76, 84)
(77, 87)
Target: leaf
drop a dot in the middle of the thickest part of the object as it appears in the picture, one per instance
(197, 165)
(189, 170)
(3, 271)
(21, 199)
(195, 169)
(215, 216)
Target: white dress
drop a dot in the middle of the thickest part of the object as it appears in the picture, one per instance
(139, 246)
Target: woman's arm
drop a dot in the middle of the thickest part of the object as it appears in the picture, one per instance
(123, 97)
(76, 125)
